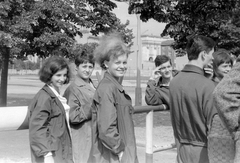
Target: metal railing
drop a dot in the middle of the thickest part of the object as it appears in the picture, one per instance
(16, 118)
(149, 131)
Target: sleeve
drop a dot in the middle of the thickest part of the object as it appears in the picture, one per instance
(39, 128)
(227, 99)
(107, 123)
(79, 112)
(152, 97)
(209, 109)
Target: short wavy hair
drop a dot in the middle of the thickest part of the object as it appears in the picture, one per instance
(221, 56)
(51, 66)
(110, 46)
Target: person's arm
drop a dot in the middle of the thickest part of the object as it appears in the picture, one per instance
(227, 99)
(152, 96)
(209, 109)
(39, 129)
(79, 112)
(107, 123)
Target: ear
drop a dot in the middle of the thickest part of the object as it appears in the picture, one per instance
(106, 63)
(203, 55)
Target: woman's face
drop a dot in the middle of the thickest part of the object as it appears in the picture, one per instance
(117, 67)
(59, 78)
(223, 69)
(85, 70)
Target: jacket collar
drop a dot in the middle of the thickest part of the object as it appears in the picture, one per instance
(112, 79)
(80, 82)
(54, 97)
(49, 91)
(192, 68)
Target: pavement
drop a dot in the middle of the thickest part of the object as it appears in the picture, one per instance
(14, 148)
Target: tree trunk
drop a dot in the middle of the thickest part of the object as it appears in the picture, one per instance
(4, 76)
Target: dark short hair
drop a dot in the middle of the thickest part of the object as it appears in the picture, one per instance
(197, 44)
(84, 57)
(221, 56)
(160, 59)
(51, 66)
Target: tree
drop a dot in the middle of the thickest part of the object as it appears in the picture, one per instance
(49, 27)
(215, 18)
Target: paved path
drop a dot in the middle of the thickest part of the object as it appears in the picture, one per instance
(14, 148)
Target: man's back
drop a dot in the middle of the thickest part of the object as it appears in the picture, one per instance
(191, 105)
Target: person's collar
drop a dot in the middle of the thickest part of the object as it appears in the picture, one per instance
(110, 77)
(161, 83)
(80, 82)
(53, 90)
(193, 68)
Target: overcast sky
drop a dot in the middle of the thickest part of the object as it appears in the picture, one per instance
(151, 27)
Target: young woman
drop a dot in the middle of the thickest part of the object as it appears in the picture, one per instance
(49, 134)
(112, 124)
(79, 96)
(220, 142)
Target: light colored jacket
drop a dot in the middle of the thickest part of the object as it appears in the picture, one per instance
(79, 95)
(227, 99)
(227, 102)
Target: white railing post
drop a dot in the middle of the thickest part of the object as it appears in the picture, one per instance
(13, 118)
(149, 137)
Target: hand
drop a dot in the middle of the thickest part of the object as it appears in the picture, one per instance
(120, 155)
(48, 159)
(155, 73)
(208, 71)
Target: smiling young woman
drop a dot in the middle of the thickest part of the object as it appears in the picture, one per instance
(49, 132)
(112, 123)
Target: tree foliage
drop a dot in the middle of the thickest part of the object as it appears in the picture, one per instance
(214, 18)
(49, 27)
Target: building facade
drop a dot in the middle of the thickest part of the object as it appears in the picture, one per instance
(156, 45)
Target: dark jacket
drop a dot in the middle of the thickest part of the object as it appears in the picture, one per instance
(79, 95)
(191, 105)
(156, 93)
(112, 124)
(48, 129)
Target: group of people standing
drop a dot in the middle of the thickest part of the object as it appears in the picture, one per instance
(88, 124)
(203, 99)
(93, 124)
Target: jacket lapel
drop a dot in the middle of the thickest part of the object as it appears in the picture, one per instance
(54, 98)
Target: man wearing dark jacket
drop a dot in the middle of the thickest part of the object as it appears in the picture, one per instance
(191, 103)
(157, 91)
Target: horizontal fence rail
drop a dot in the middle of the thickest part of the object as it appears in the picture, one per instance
(16, 118)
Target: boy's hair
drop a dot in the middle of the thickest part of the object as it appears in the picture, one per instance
(160, 59)
(84, 57)
(197, 44)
